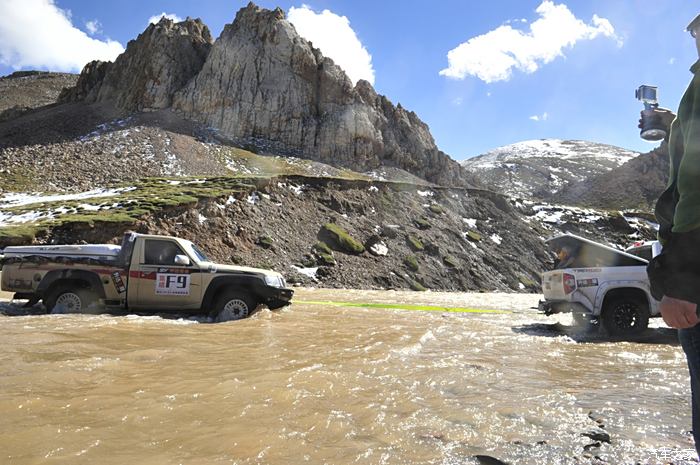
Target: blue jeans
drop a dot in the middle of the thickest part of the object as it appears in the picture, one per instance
(690, 341)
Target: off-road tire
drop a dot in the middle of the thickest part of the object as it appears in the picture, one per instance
(70, 300)
(233, 305)
(623, 316)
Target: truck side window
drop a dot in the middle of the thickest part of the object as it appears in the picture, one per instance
(161, 252)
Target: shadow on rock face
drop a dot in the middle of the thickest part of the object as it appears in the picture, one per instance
(592, 334)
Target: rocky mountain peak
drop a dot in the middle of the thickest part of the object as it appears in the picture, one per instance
(160, 61)
(252, 13)
(262, 85)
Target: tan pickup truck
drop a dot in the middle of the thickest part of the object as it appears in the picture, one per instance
(146, 273)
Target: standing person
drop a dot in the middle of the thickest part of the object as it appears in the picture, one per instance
(675, 274)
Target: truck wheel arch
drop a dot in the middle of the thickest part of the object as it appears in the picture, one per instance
(78, 278)
(613, 289)
(629, 297)
(247, 284)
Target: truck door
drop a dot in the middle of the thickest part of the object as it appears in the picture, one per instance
(156, 282)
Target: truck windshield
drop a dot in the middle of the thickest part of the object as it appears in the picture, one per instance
(198, 254)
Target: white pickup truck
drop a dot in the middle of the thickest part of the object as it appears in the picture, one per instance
(596, 282)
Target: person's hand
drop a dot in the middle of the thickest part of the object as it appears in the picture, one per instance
(665, 116)
(678, 313)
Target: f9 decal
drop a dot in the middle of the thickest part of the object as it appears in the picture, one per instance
(172, 284)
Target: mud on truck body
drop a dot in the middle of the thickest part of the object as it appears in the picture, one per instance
(596, 282)
(147, 273)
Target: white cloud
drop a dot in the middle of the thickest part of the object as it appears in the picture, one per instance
(171, 16)
(335, 38)
(38, 34)
(672, 61)
(93, 27)
(493, 56)
(543, 117)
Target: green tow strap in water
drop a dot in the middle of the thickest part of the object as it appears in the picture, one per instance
(421, 308)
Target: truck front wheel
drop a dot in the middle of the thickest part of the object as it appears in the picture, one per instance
(70, 301)
(232, 305)
(623, 316)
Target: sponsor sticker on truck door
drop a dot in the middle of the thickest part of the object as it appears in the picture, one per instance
(172, 284)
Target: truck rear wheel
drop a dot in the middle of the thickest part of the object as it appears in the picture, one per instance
(232, 305)
(70, 301)
(624, 315)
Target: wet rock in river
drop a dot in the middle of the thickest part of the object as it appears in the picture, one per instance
(488, 460)
(597, 418)
(600, 436)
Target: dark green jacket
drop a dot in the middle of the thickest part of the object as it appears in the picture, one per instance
(676, 272)
(678, 208)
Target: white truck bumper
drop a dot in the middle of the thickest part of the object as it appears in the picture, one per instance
(549, 307)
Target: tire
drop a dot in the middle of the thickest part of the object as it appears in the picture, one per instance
(624, 316)
(70, 300)
(232, 305)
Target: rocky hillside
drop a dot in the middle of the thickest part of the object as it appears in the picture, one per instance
(539, 168)
(634, 185)
(24, 90)
(263, 86)
(327, 231)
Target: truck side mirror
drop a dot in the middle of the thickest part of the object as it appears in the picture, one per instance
(182, 260)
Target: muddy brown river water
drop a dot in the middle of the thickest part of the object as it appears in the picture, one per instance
(323, 384)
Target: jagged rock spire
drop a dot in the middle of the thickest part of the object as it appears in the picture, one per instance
(262, 83)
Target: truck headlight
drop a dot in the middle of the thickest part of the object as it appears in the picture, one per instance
(274, 281)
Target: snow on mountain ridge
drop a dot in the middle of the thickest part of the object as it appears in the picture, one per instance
(551, 148)
(539, 168)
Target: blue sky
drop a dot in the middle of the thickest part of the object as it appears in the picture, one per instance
(566, 84)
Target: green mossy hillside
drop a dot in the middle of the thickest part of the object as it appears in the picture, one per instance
(411, 262)
(341, 240)
(129, 203)
(415, 243)
(473, 236)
